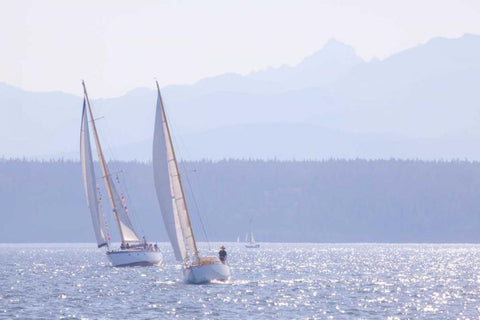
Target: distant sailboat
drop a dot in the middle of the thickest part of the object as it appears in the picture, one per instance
(133, 251)
(250, 239)
(196, 269)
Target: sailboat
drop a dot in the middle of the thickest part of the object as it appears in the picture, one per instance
(173, 206)
(132, 251)
(250, 239)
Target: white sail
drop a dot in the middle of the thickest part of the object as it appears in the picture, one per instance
(127, 233)
(89, 181)
(169, 188)
(252, 239)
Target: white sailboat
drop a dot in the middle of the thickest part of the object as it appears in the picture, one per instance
(132, 251)
(250, 239)
(168, 184)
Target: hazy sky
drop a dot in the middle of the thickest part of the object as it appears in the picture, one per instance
(119, 45)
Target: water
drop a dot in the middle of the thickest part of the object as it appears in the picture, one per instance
(292, 281)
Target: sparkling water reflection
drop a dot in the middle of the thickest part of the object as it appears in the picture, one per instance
(309, 281)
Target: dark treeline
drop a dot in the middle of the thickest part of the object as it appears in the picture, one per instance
(315, 201)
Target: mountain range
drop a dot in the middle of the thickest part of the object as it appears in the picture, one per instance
(419, 103)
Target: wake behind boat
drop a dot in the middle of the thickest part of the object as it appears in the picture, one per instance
(168, 184)
(132, 251)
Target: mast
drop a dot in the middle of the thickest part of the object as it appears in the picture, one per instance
(103, 164)
(177, 173)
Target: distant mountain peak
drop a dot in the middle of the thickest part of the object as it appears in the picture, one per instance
(334, 44)
(333, 50)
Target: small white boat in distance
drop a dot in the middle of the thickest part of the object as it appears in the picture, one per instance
(133, 251)
(250, 239)
(168, 184)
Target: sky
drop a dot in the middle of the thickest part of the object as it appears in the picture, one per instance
(117, 45)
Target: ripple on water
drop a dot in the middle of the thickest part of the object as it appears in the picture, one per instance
(339, 281)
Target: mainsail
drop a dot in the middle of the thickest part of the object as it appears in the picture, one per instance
(127, 232)
(89, 180)
(169, 188)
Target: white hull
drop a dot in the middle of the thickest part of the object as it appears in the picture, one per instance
(126, 258)
(206, 273)
(256, 245)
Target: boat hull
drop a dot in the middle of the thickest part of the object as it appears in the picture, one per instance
(130, 258)
(206, 273)
(252, 245)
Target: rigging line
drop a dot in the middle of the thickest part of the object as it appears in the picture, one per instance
(202, 199)
(105, 131)
(182, 145)
(136, 217)
(110, 150)
(198, 209)
(184, 166)
(174, 138)
(112, 163)
(122, 183)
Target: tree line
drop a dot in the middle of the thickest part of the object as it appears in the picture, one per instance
(332, 200)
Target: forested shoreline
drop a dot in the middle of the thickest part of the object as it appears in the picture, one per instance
(290, 201)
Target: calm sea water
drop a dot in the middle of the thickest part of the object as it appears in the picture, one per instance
(291, 281)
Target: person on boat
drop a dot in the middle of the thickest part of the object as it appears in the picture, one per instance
(122, 246)
(144, 243)
(155, 247)
(222, 254)
(127, 246)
